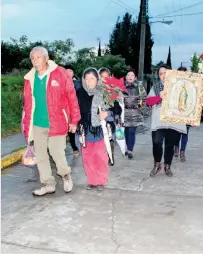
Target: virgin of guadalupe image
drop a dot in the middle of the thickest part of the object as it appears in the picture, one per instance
(182, 105)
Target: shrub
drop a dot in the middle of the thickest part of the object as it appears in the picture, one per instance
(11, 104)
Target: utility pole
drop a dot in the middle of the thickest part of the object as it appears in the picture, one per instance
(144, 10)
(183, 63)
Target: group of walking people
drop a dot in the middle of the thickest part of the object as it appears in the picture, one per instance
(57, 104)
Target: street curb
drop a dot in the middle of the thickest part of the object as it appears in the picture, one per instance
(10, 159)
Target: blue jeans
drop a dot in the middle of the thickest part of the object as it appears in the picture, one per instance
(130, 133)
(184, 140)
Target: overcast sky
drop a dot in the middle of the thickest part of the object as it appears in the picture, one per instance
(85, 20)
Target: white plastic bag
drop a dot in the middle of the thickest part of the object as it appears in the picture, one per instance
(29, 156)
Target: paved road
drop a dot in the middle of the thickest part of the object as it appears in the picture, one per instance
(135, 214)
(12, 143)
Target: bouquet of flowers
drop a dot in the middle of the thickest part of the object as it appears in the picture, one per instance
(112, 90)
(197, 63)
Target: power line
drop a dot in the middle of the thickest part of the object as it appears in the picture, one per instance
(121, 4)
(125, 4)
(186, 14)
(181, 9)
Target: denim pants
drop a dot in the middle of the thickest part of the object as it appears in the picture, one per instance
(130, 135)
(184, 140)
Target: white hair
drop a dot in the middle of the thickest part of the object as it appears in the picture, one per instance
(39, 48)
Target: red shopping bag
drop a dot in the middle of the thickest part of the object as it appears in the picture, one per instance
(29, 156)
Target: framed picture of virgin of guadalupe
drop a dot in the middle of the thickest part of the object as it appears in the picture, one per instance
(184, 97)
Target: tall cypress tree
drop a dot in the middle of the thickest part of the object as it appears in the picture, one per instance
(125, 41)
(168, 62)
(121, 37)
(99, 49)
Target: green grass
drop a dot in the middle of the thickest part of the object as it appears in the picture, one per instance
(11, 104)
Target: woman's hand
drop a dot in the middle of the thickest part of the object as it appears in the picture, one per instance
(163, 94)
(103, 115)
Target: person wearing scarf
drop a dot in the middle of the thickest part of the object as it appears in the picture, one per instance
(133, 101)
(105, 73)
(161, 130)
(94, 154)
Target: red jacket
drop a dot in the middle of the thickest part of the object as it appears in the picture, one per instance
(63, 108)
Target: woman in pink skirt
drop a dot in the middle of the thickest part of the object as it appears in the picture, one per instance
(94, 154)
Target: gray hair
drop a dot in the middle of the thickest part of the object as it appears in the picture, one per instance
(39, 48)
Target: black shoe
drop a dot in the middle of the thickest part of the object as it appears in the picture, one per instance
(100, 187)
(130, 156)
(90, 187)
(168, 171)
(126, 153)
(110, 163)
(156, 169)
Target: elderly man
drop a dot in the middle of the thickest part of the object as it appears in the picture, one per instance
(51, 110)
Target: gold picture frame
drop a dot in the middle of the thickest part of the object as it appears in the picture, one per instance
(184, 97)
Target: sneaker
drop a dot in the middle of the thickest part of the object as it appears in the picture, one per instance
(126, 153)
(45, 189)
(100, 187)
(67, 183)
(130, 155)
(90, 187)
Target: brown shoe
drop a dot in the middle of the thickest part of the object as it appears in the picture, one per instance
(168, 171)
(176, 152)
(156, 169)
(182, 156)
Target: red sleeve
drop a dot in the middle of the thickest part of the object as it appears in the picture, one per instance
(27, 107)
(72, 100)
(151, 101)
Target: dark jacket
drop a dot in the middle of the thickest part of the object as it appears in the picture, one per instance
(134, 102)
(77, 84)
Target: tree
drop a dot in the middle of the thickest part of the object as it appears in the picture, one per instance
(60, 50)
(159, 64)
(15, 53)
(168, 62)
(99, 49)
(195, 61)
(120, 42)
(82, 59)
(125, 41)
(116, 64)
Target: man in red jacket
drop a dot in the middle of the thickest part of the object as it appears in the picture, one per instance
(51, 110)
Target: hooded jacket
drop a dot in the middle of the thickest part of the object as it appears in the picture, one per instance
(62, 103)
(135, 97)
